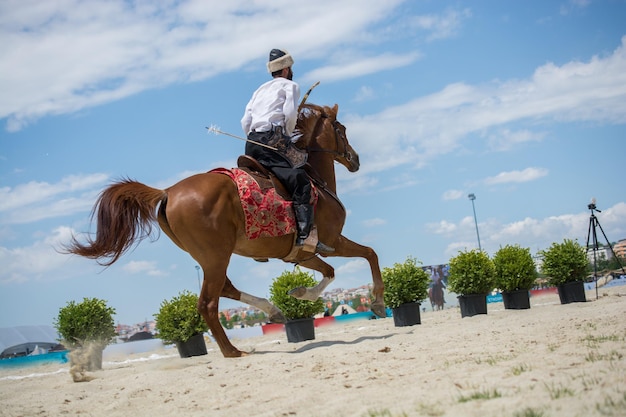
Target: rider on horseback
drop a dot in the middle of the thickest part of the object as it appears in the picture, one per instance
(270, 118)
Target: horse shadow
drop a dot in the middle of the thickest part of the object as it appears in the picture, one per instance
(327, 343)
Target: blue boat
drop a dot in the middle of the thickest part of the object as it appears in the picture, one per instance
(44, 358)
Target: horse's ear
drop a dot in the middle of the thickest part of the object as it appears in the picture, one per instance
(336, 109)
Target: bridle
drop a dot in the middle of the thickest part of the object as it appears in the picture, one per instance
(312, 172)
(339, 136)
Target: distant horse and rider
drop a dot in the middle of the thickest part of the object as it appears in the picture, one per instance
(204, 216)
(435, 292)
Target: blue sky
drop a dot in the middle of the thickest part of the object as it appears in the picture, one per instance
(521, 103)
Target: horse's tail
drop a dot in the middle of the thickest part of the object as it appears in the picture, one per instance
(124, 212)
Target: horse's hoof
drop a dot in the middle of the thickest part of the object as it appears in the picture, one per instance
(379, 310)
(233, 354)
(298, 292)
(278, 318)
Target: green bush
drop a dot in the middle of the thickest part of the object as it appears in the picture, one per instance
(90, 321)
(471, 272)
(178, 319)
(564, 262)
(515, 269)
(291, 307)
(405, 283)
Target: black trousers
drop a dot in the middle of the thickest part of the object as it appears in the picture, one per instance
(295, 180)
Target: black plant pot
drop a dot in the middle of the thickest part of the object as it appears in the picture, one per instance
(406, 315)
(516, 300)
(572, 292)
(194, 346)
(299, 330)
(472, 304)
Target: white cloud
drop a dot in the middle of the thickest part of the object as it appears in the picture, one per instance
(143, 267)
(34, 262)
(350, 182)
(352, 267)
(443, 227)
(74, 54)
(59, 208)
(573, 5)
(365, 93)
(44, 259)
(430, 126)
(40, 200)
(506, 139)
(360, 67)
(442, 26)
(453, 195)
(534, 233)
(374, 222)
(34, 192)
(528, 174)
(168, 182)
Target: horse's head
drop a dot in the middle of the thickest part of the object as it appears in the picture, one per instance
(346, 155)
(323, 133)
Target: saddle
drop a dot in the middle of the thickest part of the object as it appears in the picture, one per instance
(262, 175)
(267, 180)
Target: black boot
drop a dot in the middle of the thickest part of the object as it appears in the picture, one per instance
(304, 222)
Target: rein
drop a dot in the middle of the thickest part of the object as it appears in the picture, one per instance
(344, 154)
(324, 187)
(314, 174)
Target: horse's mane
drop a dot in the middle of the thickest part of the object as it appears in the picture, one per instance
(307, 121)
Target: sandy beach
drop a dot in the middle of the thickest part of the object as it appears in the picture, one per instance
(551, 360)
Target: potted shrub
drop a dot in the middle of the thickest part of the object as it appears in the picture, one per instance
(85, 328)
(406, 286)
(178, 321)
(471, 277)
(515, 275)
(566, 265)
(299, 313)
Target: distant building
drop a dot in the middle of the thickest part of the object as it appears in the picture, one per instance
(538, 261)
(620, 249)
(601, 254)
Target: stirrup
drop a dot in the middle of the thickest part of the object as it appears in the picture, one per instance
(319, 246)
(322, 248)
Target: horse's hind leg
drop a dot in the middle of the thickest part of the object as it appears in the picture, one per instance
(273, 312)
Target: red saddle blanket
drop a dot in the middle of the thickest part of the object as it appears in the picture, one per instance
(267, 214)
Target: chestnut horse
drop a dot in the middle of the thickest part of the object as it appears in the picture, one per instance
(202, 215)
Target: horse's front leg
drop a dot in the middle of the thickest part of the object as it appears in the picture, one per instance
(313, 293)
(344, 247)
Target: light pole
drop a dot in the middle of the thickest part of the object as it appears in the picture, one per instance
(473, 197)
(198, 273)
